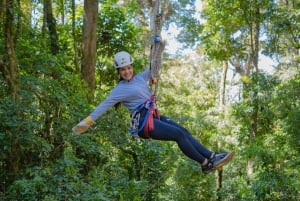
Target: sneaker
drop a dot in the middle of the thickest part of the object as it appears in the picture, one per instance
(209, 167)
(221, 159)
(220, 155)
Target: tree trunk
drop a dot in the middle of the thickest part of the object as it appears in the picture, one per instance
(62, 4)
(9, 70)
(26, 8)
(223, 86)
(2, 6)
(219, 178)
(89, 41)
(255, 32)
(51, 25)
(222, 91)
(76, 60)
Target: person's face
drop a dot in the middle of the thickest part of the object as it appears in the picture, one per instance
(126, 72)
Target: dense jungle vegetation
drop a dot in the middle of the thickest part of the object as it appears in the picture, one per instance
(56, 64)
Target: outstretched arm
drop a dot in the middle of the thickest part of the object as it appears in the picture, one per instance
(84, 125)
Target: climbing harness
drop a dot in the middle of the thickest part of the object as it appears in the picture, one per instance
(142, 117)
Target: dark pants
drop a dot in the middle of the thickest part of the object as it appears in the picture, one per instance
(168, 130)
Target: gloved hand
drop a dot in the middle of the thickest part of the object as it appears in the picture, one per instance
(82, 126)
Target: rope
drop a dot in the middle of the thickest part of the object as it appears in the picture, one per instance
(157, 47)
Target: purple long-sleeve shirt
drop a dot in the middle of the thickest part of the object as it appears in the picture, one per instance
(131, 93)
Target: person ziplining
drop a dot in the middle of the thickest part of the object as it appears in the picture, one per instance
(136, 93)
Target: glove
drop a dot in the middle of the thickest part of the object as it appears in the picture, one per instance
(82, 126)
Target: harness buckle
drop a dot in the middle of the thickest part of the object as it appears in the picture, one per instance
(135, 121)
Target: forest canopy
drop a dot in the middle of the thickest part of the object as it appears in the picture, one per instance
(56, 66)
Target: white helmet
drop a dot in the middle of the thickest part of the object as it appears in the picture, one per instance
(122, 58)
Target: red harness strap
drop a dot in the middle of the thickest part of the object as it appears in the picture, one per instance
(149, 126)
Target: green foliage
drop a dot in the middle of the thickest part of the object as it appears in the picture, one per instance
(287, 107)
(59, 181)
(276, 147)
(40, 159)
(228, 26)
(116, 30)
(282, 29)
(136, 169)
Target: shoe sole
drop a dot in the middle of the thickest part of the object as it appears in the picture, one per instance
(225, 160)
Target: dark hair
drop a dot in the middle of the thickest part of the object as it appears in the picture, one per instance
(117, 105)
